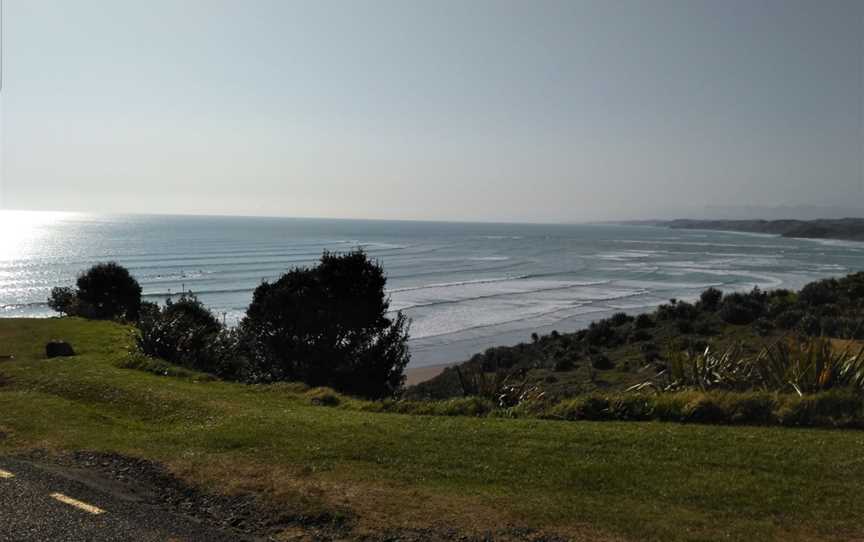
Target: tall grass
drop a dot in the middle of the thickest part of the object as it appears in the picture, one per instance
(792, 364)
(809, 366)
(708, 370)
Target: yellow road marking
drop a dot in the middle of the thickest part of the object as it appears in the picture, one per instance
(77, 504)
(6, 474)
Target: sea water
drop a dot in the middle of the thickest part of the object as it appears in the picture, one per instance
(466, 286)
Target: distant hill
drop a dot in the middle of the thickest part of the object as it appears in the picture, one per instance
(851, 229)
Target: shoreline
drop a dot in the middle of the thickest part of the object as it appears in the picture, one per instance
(416, 375)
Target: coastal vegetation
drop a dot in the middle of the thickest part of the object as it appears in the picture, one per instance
(328, 325)
(105, 291)
(765, 337)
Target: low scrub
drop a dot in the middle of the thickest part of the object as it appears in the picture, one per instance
(810, 366)
(833, 409)
(830, 409)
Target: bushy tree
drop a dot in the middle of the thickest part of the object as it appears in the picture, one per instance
(187, 333)
(107, 291)
(709, 300)
(64, 300)
(820, 293)
(329, 326)
(742, 309)
(643, 321)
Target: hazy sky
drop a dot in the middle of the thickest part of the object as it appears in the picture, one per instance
(465, 109)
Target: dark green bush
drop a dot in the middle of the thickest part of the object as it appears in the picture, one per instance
(602, 362)
(788, 319)
(763, 327)
(186, 333)
(742, 309)
(620, 318)
(829, 409)
(329, 326)
(820, 293)
(704, 409)
(564, 364)
(709, 300)
(64, 300)
(631, 407)
(105, 291)
(749, 408)
(643, 321)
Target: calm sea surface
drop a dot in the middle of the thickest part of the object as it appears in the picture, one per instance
(466, 286)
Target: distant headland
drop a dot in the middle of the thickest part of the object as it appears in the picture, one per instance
(849, 229)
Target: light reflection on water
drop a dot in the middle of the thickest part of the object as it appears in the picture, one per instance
(23, 234)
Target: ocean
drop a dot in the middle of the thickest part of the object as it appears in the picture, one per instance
(466, 286)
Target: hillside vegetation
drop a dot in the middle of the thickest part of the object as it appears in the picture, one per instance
(623, 351)
(371, 472)
(851, 229)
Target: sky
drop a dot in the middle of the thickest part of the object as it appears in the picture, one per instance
(497, 110)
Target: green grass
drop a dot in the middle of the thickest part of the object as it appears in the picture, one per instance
(586, 480)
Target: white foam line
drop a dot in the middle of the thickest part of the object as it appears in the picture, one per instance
(4, 474)
(89, 508)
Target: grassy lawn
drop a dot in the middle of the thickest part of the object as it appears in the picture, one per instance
(582, 480)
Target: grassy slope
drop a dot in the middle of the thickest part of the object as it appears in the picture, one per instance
(639, 481)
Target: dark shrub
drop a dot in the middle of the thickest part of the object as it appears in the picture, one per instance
(684, 326)
(704, 409)
(329, 326)
(703, 326)
(788, 319)
(780, 301)
(709, 300)
(107, 291)
(64, 300)
(639, 335)
(620, 318)
(819, 293)
(742, 309)
(643, 321)
(833, 408)
(602, 334)
(564, 364)
(631, 407)
(763, 327)
(677, 310)
(810, 325)
(650, 351)
(186, 333)
(751, 408)
(601, 362)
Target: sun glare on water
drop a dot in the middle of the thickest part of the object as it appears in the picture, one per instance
(21, 231)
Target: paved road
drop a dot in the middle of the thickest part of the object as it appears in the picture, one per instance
(45, 503)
